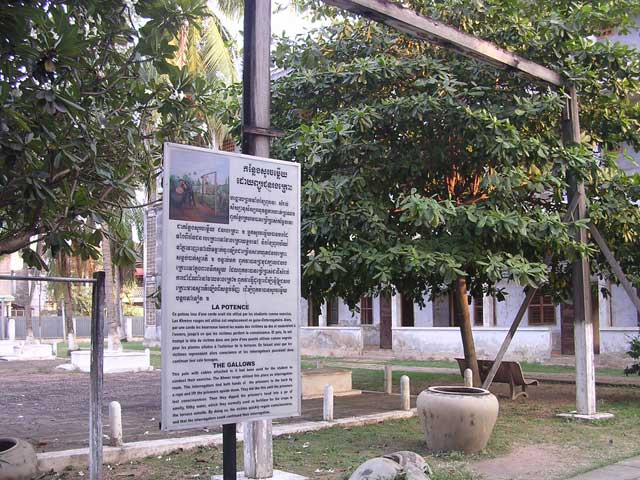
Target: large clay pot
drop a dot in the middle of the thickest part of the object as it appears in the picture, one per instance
(457, 418)
(17, 460)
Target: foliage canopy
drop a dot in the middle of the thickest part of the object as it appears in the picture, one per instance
(421, 166)
(87, 96)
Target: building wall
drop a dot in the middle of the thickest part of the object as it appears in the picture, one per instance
(530, 344)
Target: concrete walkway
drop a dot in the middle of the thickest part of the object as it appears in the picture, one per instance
(626, 470)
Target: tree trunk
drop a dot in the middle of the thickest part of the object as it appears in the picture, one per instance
(28, 317)
(31, 289)
(464, 320)
(117, 271)
(67, 294)
(109, 294)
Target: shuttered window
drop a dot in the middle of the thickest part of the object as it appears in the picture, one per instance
(332, 311)
(366, 311)
(542, 311)
(406, 312)
(478, 311)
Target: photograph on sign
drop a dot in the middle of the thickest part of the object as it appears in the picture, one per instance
(230, 288)
(199, 193)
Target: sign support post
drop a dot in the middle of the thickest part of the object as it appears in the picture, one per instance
(96, 374)
(256, 96)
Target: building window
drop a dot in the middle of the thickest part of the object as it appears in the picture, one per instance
(542, 311)
(332, 311)
(312, 313)
(366, 311)
(406, 311)
(478, 311)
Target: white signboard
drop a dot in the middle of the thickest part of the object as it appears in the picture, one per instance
(230, 288)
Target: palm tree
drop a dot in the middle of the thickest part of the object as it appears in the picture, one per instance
(208, 49)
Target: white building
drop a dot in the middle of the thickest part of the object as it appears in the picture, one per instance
(429, 332)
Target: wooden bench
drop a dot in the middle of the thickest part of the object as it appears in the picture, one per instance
(508, 372)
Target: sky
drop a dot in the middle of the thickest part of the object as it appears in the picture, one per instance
(284, 20)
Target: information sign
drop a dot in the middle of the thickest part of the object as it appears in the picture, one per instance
(230, 288)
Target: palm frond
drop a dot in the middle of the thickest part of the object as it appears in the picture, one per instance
(231, 8)
(215, 51)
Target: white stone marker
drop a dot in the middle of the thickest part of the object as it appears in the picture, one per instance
(327, 403)
(11, 328)
(468, 378)
(388, 379)
(405, 393)
(115, 423)
(128, 328)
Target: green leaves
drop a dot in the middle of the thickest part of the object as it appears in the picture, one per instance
(83, 114)
(420, 165)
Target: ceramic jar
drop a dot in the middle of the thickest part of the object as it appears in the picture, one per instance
(17, 460)
(457, 418)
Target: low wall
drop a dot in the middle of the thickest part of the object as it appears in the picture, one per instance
(530, 344)
(51, 327)
(615, 340)
(371, 335)
(331, 341)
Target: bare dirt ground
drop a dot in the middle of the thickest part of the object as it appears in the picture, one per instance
(530, 462)
(50, 408)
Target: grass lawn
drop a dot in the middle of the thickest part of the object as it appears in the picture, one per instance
(527, 367)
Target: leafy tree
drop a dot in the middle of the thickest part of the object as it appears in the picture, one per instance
(75, 98)
(425, 171)
(634, 352)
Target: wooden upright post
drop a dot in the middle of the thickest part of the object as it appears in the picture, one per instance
(256, 97)
(583, 326)
(96, 377)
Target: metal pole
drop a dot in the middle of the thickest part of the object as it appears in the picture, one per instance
(96, 377)
(48, 279)
(229, 461)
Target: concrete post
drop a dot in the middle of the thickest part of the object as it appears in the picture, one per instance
(327, 404)
(2, 322)
(388, 379)
(258, 449)
(468, 377)
(322, 318)
(395, 311)
(405, 393)
(11, 328)
(128, 328)
(115, 423)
